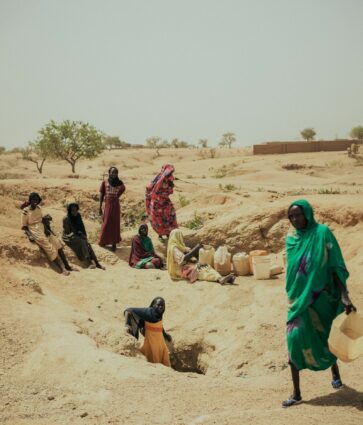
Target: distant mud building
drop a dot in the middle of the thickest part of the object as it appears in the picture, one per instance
(296, 147)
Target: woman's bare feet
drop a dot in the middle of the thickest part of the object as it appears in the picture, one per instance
(65, 273)
(227, 279)
(91, 266)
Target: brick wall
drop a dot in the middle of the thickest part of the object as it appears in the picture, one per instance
(295, 147)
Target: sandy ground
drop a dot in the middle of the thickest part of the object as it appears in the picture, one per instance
(65, 358)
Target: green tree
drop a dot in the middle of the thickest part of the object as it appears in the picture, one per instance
(37, 152)
(308, 134)
(227, 140)
(357, 132)
(2, 149)
(72, 140)
(203, 143)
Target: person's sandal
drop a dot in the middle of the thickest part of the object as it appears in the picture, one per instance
(291, 401)
(337, 384)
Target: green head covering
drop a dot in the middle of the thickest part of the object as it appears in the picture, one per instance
(308, 213)
(145, 240)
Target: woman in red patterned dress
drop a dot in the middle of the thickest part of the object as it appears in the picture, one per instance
(110, 191)
(159, 207)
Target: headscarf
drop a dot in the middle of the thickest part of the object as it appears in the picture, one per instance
(145, 240)
(33, 195)
(76, 221)
(142, 250)
(313, 255)
(138, 316)
(175, 240)
(114, 181)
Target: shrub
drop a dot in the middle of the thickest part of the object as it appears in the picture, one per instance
(293, 166)
(183, 201)
(195, 223)
(220, 172)
(331, 191)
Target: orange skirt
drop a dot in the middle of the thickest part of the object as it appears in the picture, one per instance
(154, 348)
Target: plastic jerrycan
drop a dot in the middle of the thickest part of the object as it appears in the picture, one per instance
(222, 261)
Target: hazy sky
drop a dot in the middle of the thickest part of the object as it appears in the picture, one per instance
(191, 69)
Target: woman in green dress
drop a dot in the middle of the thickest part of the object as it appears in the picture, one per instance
(317, 292)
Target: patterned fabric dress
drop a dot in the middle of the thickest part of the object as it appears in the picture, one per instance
(159, 207)
(313, 255)
(110, 230)
(33, 220)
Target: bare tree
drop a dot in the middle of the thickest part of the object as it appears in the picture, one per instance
(154, 142)
(37, 152)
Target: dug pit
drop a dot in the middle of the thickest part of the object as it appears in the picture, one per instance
(190, 357)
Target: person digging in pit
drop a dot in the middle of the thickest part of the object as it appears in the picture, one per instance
(149, 322)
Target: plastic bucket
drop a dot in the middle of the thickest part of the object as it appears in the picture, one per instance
(261, 267)
(257, 252)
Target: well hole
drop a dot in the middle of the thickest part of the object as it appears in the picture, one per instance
(187, 358)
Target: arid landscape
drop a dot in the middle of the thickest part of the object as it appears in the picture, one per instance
(65, 356)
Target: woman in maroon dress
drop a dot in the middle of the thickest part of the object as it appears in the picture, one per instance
(110, 191)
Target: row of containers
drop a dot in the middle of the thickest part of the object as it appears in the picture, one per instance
(259, 262)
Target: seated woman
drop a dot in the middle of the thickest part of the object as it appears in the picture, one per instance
(75, 236)
(37, 228)
(178, 256)
(149, 322)
(142, 254)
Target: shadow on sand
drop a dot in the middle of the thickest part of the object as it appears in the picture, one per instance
(345, 397)
(122, 252)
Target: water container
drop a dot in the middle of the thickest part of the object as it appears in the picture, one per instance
(275, 269)
(222, 261)
(206, 255)
(261, 266)
(241, 264)
(257, 252)
(346, 337)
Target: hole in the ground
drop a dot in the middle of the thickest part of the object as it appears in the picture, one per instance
(187, 358)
